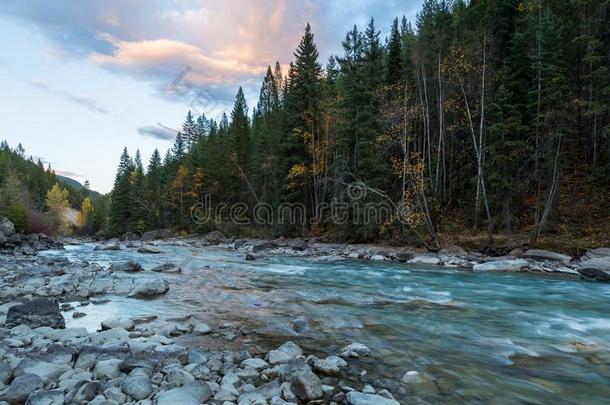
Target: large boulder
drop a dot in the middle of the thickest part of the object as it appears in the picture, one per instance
(502, 265)
(21, 387)
(261, 247)
(150, 288)
(127, 267)
(156, 234)
(284, 353)
(36, 313)
(149, 249)
(7, 228)
(538, 254)
(129, 236)
(215, 237)
(595, 274)
(108, 246)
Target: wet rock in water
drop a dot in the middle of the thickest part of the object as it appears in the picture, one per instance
(359, 398)
(137, 384)
(214, 237)
(129, 236)
(108, 246)
(148, 249)
(598, 262)
(424, 258)
(261, 247)
(411, 377)
(502, 265)
(194, 393)
(538, 254)
(355, 350)
(7, 228)
(330, 366)
(284, 353)
(128, 267)
(21, 387)
(124, 323)
(77, 315)
(595, 274)
(167, 268)
(250, 257)
(300, 326)
(201, 329)
(36, 313)
(150, 288)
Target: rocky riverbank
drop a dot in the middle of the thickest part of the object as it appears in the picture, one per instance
(128, 362)
(148, 360)
(594, 265)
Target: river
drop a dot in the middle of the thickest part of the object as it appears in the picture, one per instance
(492, 338)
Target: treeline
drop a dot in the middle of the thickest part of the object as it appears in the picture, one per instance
(36, 201)
(489, 115)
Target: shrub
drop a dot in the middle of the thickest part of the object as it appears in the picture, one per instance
(19, 215)
(40, 223)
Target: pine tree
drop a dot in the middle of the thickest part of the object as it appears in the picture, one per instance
(121, 206)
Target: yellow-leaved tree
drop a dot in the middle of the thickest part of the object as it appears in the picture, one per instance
(57, 203)
(85, 217)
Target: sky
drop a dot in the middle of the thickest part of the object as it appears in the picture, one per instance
(81, 80)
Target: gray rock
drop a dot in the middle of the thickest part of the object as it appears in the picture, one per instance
(36, 313)
(194, 393)
(107, 368)
(502, 265)
(599, 263)
(150, 288)
(284, 353)
(52, 397)
(7, 228)
(307, 386)
(48, 372)
(300, 326)
(127, 267)
(262, 394)
(355, 350)
(411, 377)
(157, 234)
(6, 372)
(261, 247)
(82, 393)
(329, 366)
(124, 323)
(108, 246)
(167, 268)
(179, 377)
(21, 387)
(201, 329)
(214, 237)
(595, 274)
(149, 249)
(538, 254)
(129, 236)
(298, 244)
(358, 398)
(137, 385)
(256, 364)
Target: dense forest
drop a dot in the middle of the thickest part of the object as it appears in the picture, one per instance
(486, 117)
(38, 201)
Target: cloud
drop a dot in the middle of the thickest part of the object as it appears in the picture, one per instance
(86, 102)
(224, 43)
(159, 131)
(67, 173)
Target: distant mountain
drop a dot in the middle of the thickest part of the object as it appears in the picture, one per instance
(75, 185)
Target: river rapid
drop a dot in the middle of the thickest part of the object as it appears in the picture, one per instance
(473, 338)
